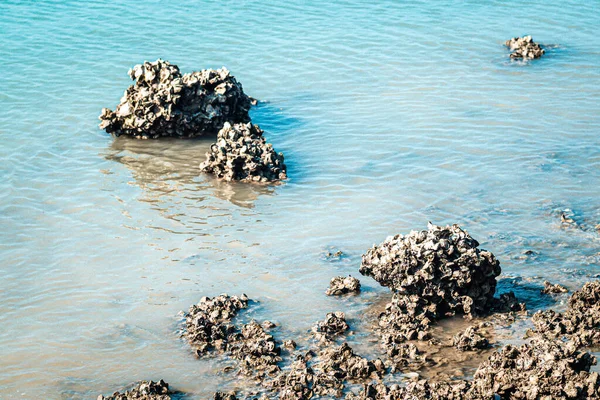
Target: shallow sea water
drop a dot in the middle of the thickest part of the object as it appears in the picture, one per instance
(390, 114)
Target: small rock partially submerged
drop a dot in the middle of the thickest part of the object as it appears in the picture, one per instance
(550, 288)
(242, 154)
(442, 266)
(145, 390)
(332, 326)
(163, 102)
(342, 285)
(471, 339)
(344, 364)
(524, 47)
(208, 322)
(580, 322)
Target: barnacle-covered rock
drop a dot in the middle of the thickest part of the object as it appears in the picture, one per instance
(145, 390)
(341, 362)
(541, 369)
(207, 323)
(242, 154)
(342, 285)
(163, 102)
(524, 47)
(332, 326)
(301, 382)
(442, 266)
(470, 339)
(580, 322)
(225, 396)
(415, 390)
(256, 349)
(553, 288)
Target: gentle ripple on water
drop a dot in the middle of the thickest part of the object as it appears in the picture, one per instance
(389, 115)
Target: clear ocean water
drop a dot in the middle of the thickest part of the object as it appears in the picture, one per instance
(390, 114)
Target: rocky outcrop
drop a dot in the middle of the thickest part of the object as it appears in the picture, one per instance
(145, 390)
(256, 349)
(553, 288)
(163, 102)
(341, 285)
(442, 267)
(524, 47)
(208, 324)
(331, 327)
(241, 153)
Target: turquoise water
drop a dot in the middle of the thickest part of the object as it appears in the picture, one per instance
(390, 114)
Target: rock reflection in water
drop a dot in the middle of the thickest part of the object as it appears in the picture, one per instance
(167, 166)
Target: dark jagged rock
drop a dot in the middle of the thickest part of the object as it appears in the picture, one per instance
(524, 47)
(256, 349)
(302, 382)
(443, 266)
(332, 326)
(341, 362)
(145, 390)
(207, 323)
(580, 322)
(541, 369)
(225, 396)
(470, 339)
(550, 288)
(507, 303)
(242, 154)
(416, 390)
(405, 318)
(289, 345)
(342, 285)
(163, 102)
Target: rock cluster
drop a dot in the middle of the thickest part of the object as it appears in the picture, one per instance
(303, 382)
(541, 369)
(145, 390)
(342, 363)
(208, 322)
(163, 102)
(416, 390)
(550, 288)
(332, 326)
(470, 339)
(256, 349)
(580, 322)
(524, 48)
(342, 285)
(242, 154)
(442, 266)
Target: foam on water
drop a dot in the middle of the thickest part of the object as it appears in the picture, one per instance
(389, 115)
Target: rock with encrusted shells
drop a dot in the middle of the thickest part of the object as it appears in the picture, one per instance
(524, 47)
(341, 285)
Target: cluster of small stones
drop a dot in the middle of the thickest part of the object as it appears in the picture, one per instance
(242, 154)
(471, 339)
(163, 102)
(524, 47)
(556, 288)
(580, 322)
(257, 351)
(208, 324)
(341, 285)
(327, 376)
(145, 390)
(331, 327)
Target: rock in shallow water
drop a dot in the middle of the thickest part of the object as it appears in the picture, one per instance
(553, 288)
(342, 285)
(334, 325)
(524, 47)
(443, 267)
(242, 154)
(163, 102)
(145, 390)
(470, 339)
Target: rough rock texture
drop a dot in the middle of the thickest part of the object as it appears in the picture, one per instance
(302, 382)
(580, 322)
(256, 349)
(542, 369)
(225, 396)
(507, 303)
(242, 154)
(341, 362)
(443, 266)
(207, 323)
(145, 390)
(524, 47)
(416, 390)
(163, 102)
(470, 339)
(550, 288)
(405, 318)
(332, 326)
(342, 285)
